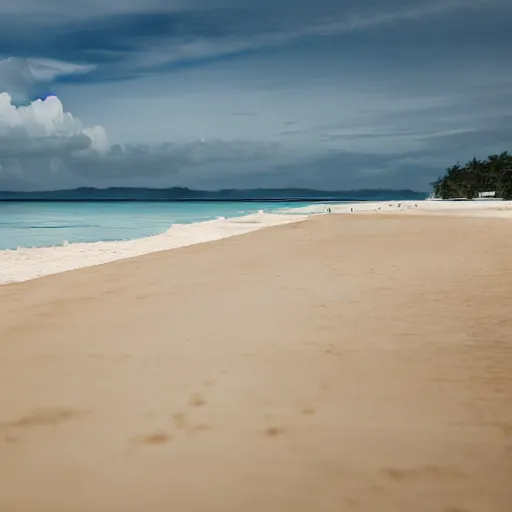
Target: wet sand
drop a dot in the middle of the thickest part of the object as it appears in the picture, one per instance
(344, 363)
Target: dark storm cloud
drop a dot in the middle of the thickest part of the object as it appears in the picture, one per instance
(409, 87)
(53, 162)
(20, 146)
(124, 39)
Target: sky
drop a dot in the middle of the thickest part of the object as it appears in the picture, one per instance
(210, 94)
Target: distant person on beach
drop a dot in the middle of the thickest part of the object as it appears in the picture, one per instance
(328, 210)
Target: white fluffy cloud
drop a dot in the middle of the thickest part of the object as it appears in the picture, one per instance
(45, 119)
(44, 147)
(37, 139)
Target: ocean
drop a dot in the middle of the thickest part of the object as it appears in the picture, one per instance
(43, 238)
(48, 224)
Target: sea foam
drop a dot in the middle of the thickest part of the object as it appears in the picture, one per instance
(24, 264)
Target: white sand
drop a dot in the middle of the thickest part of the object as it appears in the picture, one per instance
(358, 363)
(486, 208)
(25, 264)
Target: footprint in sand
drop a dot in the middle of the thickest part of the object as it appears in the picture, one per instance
(197, 400)
(157, 438)
(275, 431)
(44, 418)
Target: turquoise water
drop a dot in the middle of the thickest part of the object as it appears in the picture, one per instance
(48, 224)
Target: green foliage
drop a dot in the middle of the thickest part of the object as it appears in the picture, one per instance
(493, 174)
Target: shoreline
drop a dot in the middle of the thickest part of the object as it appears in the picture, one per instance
(360, 363)
(23, 264)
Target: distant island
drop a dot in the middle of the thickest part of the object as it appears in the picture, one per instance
(491, 177)
(186, 194)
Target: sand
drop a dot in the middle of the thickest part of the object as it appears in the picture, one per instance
(344, 363)
(24, 264)
(27, 263)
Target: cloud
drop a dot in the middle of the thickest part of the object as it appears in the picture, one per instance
(198, 164)
(22, 78)
(41, 134)
(122, 40)
(42, 118)
(15, 146)
(44, 147)
(45, 119)
(352, 94)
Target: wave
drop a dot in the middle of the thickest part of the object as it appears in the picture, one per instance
(23, 264)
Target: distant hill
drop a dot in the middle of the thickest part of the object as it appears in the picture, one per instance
(186, 194)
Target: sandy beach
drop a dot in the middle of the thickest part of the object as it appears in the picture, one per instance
(345, 363)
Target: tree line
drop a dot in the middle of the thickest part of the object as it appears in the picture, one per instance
(466, 181)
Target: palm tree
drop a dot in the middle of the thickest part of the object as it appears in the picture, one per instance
(504, 175)
(493, 174)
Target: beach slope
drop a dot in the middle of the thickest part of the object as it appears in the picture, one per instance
(343, 363)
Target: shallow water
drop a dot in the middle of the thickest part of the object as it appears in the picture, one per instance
(44, 224)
